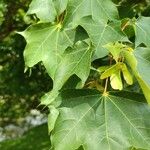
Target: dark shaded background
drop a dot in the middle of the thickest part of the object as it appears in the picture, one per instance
(19, 91)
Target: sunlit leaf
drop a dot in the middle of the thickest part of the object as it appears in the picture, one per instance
(108, 72)
(115, 49)
(116, 81)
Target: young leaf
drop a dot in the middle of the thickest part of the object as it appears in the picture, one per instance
(111, 70)
(115, 122)
(103, 68)
(114, 49)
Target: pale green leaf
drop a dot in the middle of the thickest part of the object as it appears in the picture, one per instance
(115, 49)
(101, 122)
(108, 72)
(103, 68)
(102, 33)
(116, 81)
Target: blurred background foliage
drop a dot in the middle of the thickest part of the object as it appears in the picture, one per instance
(36, 139)
(19, 91)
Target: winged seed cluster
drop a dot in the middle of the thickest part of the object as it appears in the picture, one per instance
(69, 38)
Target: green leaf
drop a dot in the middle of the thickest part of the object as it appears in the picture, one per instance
(49, 98)
(115, 49)
(143, 55)
(144, 87)
(52, 117)
(44, 9)
(143, 67)
(98, 9)
(60, 6)
(114, 72)
(75, 61)
(140, 64)
(46, 43)
(96, 122)
(142, 31)
(102, 33)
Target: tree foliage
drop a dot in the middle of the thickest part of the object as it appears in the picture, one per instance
(97, 54)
